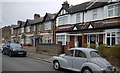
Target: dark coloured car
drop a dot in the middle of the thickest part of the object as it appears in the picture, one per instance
(14, 49)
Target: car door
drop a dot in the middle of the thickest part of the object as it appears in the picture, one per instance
(69, 58)
(79, 59)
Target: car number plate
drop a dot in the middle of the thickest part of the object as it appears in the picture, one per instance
(20, 52)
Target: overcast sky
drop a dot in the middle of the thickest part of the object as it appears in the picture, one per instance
(13, 10)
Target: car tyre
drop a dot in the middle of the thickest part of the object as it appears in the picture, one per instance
(10, 54)
(56, 65)
(86, 70)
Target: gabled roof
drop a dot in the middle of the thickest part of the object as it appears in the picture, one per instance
(49, 16)
(30, 22)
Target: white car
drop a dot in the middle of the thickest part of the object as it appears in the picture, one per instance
(1, 46)
(84, 60)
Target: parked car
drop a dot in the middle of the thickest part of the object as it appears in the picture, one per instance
(14, 49)
(1, 46)
(84, 60)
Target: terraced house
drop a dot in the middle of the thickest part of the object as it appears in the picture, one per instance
(93, 22)
(35, 31)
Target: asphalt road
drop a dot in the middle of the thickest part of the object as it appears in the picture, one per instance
(26, 64)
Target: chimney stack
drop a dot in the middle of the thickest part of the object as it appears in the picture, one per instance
(36, 16)
(65, 4)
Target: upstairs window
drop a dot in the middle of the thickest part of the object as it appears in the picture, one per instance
(94, 14)
(39, 27)
(28, 29)
(22, 30)
(114, 10)
(63, 20)
(47, 25)
(78, 18)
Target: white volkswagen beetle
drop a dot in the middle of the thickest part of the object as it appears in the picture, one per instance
(84, 60)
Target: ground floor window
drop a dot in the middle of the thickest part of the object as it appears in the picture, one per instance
(48, 40)
(61, 38)
(28, 41)
(111, 38)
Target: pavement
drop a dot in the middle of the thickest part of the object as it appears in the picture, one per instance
(43, 57)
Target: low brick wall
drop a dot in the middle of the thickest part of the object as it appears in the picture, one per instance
(47, 48)
(30, 48)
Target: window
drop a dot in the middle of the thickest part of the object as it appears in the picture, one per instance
(63, 20)
(94, 54)
(78, 18)
(28, 29)
(61, 38)
(48, 40)
(114, 10)
(69, 53)
(47, 25)
(34, 27)
(111, 38)
(79, 53)
(22, 30)
(39, 27)
(94, 14)
(12, 31)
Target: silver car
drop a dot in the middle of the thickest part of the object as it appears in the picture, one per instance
(84, 60)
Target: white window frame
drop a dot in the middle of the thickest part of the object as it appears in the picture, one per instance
(28, 29)
(22, 30)
(115, 8)
(95, 14)
(78, 18)
(40, 27)
(34, 28)
(62, 20)
(47, 25)
(111, 37)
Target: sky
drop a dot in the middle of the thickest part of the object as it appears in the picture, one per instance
(13, 10)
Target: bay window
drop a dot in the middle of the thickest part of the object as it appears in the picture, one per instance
(113, 10)
(63, 20)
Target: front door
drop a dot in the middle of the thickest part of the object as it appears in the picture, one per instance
(92, 39)
(79, 38)
(79, 59)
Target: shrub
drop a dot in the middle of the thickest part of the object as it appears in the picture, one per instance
(93, 46)
(85, 45)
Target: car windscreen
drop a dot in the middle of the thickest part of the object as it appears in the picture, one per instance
(94, 54)
(15, 46)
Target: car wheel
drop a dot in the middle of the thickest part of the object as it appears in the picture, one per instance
(56, 65)
(86, 70)
(10, 54)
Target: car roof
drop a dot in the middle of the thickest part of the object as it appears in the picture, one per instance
(83, 49)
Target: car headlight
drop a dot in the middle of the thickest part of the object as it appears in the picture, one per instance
(114, 68)
(103, 70)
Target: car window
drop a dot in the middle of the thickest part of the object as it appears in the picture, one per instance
(15, 46)
(69, 53)
(94, 54)
(79, 53)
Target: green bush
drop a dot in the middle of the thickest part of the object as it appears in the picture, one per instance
(85, 45)
(93, 46)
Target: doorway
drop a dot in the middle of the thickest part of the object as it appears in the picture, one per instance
(79, 39)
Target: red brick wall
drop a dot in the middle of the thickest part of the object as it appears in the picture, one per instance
(72, 41)
(101, 38)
